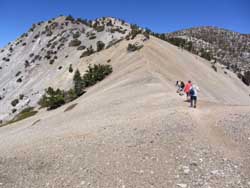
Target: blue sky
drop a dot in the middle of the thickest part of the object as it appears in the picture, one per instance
(17, 16)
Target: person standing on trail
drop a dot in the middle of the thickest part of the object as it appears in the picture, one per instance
(180, 86)
(187, 88)
(193, 95)
(177, 83)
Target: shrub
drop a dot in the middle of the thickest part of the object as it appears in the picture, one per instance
(81, 47)
(26, 64)
(70, 18)
(70, 68)
(119, 30)
(246, 78)
(49, 33)
(135, 30)
(109, 23)
(206, 55)
(83, 21)
(6, 59)
(24, 35)
(134, 47)
(146, 35)
(214, 67)
(21, 96)
(74, 42)
(100, 45)
(100, 28)
(88, 52)
(18, 73)
(37, 36)
(51, 61)
(96, 73)
(239, 75)
(92, 37)
(175, 41)
(113, 42)
(76, 35)
(14, 102)
(19, 80)
(70, 96)
(52, 99)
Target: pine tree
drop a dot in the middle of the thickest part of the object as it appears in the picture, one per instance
(78, 83)
(70, 68)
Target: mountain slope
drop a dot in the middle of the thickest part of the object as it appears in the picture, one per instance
(41, 58)
(229, 48)
(133, 130)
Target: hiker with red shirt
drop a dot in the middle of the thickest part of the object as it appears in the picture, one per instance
(187, 88)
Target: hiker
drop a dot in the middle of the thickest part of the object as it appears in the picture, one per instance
(180, 86)
(187, 88)
(177, 83)
(193, 94)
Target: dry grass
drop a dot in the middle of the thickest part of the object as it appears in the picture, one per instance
(26, 113)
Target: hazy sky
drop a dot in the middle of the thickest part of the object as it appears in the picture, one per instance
(16, 16)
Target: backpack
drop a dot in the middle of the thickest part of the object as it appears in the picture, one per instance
(191, 92)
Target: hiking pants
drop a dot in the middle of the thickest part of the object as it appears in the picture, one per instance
(193, 101)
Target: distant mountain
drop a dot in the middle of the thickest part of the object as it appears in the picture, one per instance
(229, 48)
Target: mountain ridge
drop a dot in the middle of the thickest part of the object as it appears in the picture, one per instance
(232, 49)
(42, 56)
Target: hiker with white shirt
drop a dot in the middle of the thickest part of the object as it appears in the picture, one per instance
(193, 94)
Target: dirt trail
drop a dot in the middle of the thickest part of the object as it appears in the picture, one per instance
(205, 119)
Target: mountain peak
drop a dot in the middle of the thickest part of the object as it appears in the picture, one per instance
(42, 56)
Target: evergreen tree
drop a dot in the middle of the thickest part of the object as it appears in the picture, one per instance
(70, 68)
(78, 83)
(52, 99)
(100, 45)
